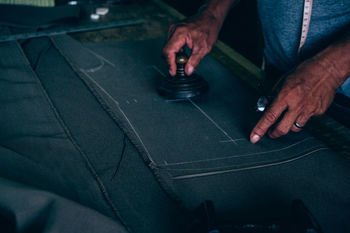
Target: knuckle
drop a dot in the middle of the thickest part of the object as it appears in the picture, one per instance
(182, 29)
(194, 63)
(320, 111)
(195, 51)
(281, 131)
(310, 110)
(166, 51)
(176, 33)
(201, 44)
(270, 117)
(207, 49)
(306, 87)
(167, 55)
(258, 130)
(304, 118)
(203, 52)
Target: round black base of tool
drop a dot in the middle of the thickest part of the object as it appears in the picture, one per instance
(182, 87)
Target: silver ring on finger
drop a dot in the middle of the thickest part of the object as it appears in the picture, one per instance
(297, 125)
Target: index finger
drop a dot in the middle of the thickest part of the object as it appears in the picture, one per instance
(268, 119)
(173, 46)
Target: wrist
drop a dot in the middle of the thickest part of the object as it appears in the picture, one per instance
(335, 59)
(217, 9)
(212, 19)
(337, 73)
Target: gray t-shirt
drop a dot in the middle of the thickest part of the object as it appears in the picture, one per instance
(281, 23)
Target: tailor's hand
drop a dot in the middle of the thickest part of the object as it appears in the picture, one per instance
(199, 33)
(307, 92)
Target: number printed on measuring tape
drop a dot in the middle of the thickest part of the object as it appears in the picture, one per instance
(306, 22)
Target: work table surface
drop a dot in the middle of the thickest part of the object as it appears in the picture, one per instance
(158, 16)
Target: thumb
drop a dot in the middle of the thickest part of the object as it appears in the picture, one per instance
(194, 61)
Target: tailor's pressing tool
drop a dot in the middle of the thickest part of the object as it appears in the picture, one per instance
(182, 86)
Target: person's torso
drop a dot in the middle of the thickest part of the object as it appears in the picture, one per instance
(281, 22)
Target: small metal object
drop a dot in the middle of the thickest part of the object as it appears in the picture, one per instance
(297, 125)
(268, 96)
(94, 17)
(73, 3)
(102, 11)
(181, 61)
(262, 104)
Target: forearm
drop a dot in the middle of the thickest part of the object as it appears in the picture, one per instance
(335, 60)
(218, 9)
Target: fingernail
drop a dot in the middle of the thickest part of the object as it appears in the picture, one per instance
(190, 70)
(171, 74)
(255, 138)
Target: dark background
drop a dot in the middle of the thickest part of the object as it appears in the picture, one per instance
(241, 30)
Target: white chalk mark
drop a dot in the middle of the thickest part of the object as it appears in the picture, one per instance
(248, 168)
(235, 140)
(175, 100)
(159, 71)
(121, 111)
(201, 110)
(212, 121)
(231, 166)
(135, 100)
(92, 70)
(244, 155)
(127, 102)
(101, 57)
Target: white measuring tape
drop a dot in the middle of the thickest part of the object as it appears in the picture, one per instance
(306, 23)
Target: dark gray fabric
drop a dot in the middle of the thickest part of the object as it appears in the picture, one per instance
(85, 122)
(55, 135)
(26, 210)
(200, 149)
(34, 146)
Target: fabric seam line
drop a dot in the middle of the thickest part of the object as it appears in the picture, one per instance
(181, 177)
(70, 136)
(237, 156)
